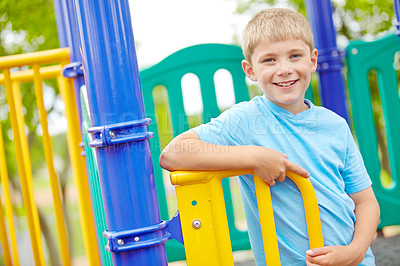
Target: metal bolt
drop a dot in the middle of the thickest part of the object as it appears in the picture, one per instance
(136, 239)
(354, 51)
(335, 53)
(112, 134)
(120, 242)
(196, 224)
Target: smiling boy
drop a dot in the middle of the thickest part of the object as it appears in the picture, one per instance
(281, 131)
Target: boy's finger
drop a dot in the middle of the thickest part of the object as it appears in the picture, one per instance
(297, 169)
(317, 251)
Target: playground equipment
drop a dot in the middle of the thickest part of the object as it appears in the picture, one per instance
(203, 216)
(118, 130)
(11, 83)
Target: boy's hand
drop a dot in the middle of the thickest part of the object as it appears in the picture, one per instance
(271, 165)
(332, 255)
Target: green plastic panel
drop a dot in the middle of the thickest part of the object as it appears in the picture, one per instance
(363, 57)
(94, 183)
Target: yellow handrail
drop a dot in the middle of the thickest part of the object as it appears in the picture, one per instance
(204, 222)
(42, 57)
(27, 75)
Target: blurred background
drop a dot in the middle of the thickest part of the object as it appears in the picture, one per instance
(160, 28)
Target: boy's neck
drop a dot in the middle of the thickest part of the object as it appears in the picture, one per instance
(294, 108)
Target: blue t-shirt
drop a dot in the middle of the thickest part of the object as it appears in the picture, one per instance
(316, 139)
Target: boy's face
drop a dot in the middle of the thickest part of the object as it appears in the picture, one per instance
(283, 71)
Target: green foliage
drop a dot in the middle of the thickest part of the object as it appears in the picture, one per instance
(352, 19)
(27, 26)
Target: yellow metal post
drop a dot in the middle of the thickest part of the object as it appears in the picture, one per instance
(48, 154)
(25, 174)
(79, 169)
(203, 219)
(8, 203)
(267, 222)
(73, 138)
(3, 238)
(310, 208)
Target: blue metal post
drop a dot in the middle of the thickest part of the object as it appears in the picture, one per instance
(120, 133)
(68, 36)
(396, 4)
(332, 87)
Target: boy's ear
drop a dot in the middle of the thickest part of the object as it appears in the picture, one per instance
(314, 59)
(247, 68)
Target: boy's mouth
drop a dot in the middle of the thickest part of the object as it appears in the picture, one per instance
(286, 83)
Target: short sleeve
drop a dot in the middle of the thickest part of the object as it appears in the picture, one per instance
(354, 174)
(228, 128)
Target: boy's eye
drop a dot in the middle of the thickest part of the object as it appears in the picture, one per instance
(269, 60)
(295, 56)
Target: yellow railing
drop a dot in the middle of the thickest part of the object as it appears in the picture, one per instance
(11, 82)
(204, 222)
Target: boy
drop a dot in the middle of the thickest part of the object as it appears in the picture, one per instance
(281, 131)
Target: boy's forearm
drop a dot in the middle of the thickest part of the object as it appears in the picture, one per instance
(367, 219)
(189, 153)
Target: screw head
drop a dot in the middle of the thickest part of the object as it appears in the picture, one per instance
(112, 134)
(196, 224)
(136, 239)
(120, 242)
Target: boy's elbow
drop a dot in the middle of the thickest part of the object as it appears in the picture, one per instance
(166, 160)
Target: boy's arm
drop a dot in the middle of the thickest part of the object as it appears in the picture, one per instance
(188, 152)
(367, 219)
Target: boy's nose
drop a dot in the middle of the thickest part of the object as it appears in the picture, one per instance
(285, 68)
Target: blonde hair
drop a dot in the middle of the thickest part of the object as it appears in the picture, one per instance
(275, 24)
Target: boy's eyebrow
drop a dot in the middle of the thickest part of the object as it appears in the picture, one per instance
(296, 50)
(293, 50)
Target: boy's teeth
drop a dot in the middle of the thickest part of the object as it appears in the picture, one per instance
(285, 84)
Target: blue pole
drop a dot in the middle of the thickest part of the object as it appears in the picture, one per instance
(332, 87)
(396, 4)
(120, 133)
(68, 36)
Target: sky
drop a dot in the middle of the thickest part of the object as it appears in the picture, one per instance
(162, 27)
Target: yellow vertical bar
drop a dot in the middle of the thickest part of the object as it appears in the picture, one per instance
(200, 242)
(25, 152)
(310, 208)
(267, 222)
(203, 202)
(25, 174)
(48, 154)
(3, 238)
(79, 168)
(8, 203)
(220, 221)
